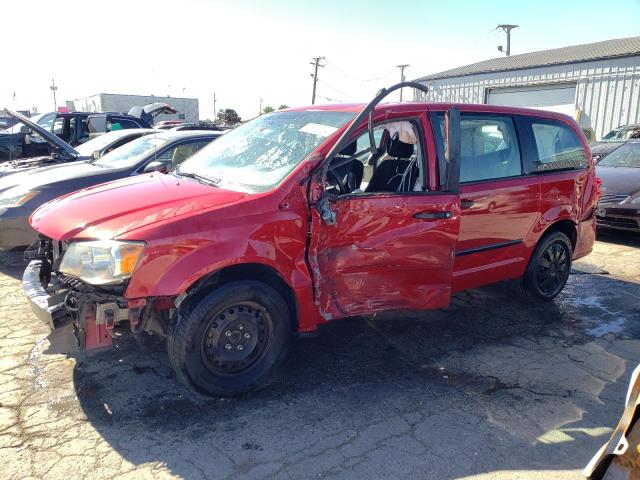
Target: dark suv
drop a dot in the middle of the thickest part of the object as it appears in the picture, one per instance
(73, 128)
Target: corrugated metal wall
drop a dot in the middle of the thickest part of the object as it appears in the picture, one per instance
(608, 91)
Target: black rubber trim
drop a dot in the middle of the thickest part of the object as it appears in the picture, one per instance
(493, 246)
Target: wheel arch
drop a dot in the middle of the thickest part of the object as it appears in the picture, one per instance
(566, 226)
(246, 271)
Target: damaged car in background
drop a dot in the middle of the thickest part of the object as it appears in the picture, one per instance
(614, 139)
(151, 151)
(619, 205)
(62, 152)
(73, 128)
(308, 215)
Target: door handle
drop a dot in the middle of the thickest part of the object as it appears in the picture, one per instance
(433, 215)
(464, 204)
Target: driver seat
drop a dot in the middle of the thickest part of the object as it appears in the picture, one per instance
(387, 177)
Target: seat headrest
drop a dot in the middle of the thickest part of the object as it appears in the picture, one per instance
(398, 149)
(349, 150)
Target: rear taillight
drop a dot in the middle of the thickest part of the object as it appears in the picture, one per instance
(597, 187)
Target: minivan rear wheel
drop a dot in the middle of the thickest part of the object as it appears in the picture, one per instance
(548, 269)
(231, 340)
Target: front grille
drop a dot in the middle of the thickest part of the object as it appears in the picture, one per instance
(618, 222)
(612, 198)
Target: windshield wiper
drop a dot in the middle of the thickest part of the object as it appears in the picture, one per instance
(195, 176)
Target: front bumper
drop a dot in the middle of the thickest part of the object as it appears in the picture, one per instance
(615, 217)
(48, 306)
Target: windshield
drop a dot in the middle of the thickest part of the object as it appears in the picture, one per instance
(98, 143)
(43, 119)
(258, 155)
(628, 155)
(621, 135)
(131, 153)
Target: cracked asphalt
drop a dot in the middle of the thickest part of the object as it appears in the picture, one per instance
(490, 388)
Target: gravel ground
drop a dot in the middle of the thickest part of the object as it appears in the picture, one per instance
(489, 388)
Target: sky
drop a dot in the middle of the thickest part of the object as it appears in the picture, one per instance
(245, 50)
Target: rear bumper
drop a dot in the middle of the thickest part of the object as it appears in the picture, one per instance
(48, 307)
(586, 231)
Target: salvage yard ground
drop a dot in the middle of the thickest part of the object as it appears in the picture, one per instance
(489, 388)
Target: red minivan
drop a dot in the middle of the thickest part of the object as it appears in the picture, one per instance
(308, 215)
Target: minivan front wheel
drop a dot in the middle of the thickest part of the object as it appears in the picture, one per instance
(231, 340)
(549, 267)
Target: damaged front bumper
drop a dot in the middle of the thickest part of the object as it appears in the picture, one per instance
(56, 302)
(57, 299)
(47, 305)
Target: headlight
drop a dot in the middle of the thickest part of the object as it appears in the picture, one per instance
(101, 262)
(16, 197)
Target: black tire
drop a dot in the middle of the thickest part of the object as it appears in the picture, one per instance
(231, 340)
(548, 268)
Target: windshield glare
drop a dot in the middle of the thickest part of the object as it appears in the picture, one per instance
(620, 135)
(258, 155)
(628, 155)
(131, 153)
(98, 143)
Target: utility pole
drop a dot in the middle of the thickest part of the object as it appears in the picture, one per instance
(316, 63)
(402, 67)
(260, 111)
(53, 88)
(507, 29)
(184, 105)
(215, 112)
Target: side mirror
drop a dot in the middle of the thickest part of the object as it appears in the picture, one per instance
(24, 129)
(452, 149)
(157, 166)
(96, 155)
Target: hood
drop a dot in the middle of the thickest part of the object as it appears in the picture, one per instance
(619, 180)
(35, 178)
(113, 209)
(48, 136)
(152, 110)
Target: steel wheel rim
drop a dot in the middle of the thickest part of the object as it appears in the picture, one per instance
(236, 338)
(553, 269)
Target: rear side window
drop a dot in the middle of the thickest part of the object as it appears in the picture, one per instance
(489, 148)
(558, 147)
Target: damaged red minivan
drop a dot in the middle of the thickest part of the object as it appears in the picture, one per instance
(308, 215)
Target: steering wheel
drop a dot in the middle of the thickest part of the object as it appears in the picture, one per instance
(339, 183)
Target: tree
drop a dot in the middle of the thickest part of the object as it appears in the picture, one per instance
(268, 109)
(283, 106)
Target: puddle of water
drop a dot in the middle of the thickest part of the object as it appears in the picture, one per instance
(614, 326)
(596, 316)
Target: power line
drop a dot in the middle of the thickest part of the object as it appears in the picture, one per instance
(334, 89)
(331, 99)
(348, 75)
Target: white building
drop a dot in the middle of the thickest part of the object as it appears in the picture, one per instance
(188, 108)
(596, 83)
